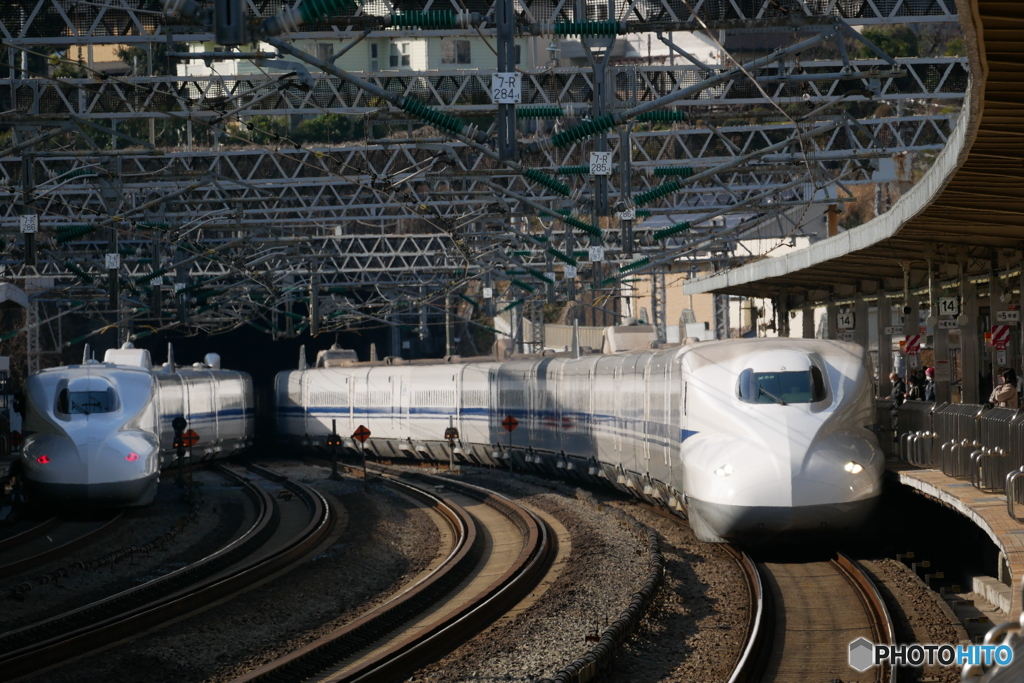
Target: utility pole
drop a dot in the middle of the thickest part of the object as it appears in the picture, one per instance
(29, 218)
(506, 34)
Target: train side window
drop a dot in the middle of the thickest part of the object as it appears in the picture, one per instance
(62, 402)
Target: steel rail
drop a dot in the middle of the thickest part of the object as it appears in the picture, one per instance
(127, 614)
(798, 590)
(10, 542)
(759, 635)
(368, 628)
(400, 658)
(78, 541)
(883, 630)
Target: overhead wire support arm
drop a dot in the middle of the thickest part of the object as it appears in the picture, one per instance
(606, 122)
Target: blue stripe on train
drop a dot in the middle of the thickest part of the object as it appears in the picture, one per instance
(602, 422)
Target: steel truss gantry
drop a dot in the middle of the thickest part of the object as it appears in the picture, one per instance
(392, 222)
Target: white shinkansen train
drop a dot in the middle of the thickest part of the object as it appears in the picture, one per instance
(750, 438)
(99, 433)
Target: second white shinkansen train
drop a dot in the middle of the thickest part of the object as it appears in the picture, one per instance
(750, 438)
(99, 433)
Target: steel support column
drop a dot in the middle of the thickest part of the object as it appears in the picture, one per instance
(884, 316)
(506, 46)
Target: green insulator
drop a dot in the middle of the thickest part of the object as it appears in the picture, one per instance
(547, 112)
(512, 305)
(431, 19)
(516, 271)
(677, 171)
(586, 29)
(77, 271)
(469, 301)
(672, 230)
(662, 115)
(443, 121)
(656, 193)
(311, 10)
(547, 181)
(149, 277)
(522, 285)
(540, 276)
(70, 233)
(643, 213)
(583, 129)
(609, 281)
(580, 254)
(563, 257)
(79, 173)
(580, 225)
(127, 250)
(540, 238)
(639, 263)
(573, 170)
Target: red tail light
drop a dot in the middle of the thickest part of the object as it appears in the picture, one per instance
(131, 457)
(43, 459)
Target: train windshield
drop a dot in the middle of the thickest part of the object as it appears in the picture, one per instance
(86, 402)
(807, 386)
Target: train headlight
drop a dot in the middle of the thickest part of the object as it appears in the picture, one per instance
(853, 467)
(724, 470)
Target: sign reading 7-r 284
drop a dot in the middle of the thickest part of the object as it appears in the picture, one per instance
(507, 88)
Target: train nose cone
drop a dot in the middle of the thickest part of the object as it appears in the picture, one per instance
(53, 459)
(840, 467)
(120, 469)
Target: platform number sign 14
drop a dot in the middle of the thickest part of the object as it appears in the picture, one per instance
(600, 163)
(507, 88)
(844, 320)
(949, 306)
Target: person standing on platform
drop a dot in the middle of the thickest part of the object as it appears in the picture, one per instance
(1005, 394)
(899, 388)
(929, 387)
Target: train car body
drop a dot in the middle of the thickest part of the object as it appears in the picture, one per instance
(100, 433)
(750, 438)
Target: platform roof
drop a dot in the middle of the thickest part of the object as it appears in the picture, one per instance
(968, 208)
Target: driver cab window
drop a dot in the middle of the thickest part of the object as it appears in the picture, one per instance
(807, 386)
(86, 402)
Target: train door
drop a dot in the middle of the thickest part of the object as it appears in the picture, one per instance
(676, 394)
(646, 387)
(402, 406)
(304, 401)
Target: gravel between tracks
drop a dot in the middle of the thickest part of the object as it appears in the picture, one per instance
(608, 564)
(220, 515)
(919, 617)
(386, 541)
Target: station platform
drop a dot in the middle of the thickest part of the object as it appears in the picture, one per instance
(986, 510)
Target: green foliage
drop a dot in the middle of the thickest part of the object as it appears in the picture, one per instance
(320, 130)
(955, 48)
(328, 128)
(895, 41)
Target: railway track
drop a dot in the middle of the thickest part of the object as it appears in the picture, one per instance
(50, 539)
(802, 618)
(498, 553)
(289, 521)
(809, 614)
